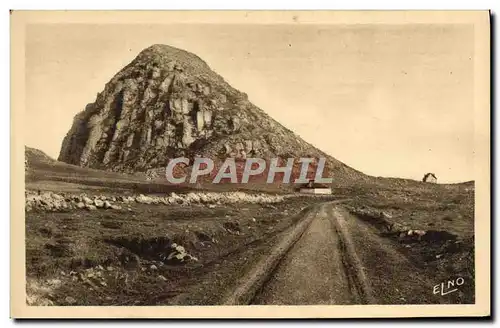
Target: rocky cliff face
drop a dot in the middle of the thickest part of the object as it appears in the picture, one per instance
(168, 103)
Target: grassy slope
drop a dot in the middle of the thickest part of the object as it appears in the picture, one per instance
(47, 174)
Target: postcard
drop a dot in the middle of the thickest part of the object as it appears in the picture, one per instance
(250, 164)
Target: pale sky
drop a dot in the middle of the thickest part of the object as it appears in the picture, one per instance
(388, 100)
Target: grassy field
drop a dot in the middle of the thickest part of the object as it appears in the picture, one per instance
(132, 243)
(444, 212)
(126, 257)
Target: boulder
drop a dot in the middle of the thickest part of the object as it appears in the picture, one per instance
(88, 201)
(142, 199)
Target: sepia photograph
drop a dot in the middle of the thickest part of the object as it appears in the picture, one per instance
(250, 164)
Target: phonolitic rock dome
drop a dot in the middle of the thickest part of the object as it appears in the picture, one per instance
(168, 103)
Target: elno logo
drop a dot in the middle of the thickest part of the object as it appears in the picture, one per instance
(448, 287)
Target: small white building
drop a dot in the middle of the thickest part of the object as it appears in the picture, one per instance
(430, 177)
(315, 189)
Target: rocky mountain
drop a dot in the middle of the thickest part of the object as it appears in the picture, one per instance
(168, 103)
(33, 155)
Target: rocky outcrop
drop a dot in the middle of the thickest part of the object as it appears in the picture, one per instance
(168, 103)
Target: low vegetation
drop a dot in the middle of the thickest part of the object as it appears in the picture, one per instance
(432, 224)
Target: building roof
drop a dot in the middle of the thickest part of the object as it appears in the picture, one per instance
(313, 185)
(426, 176)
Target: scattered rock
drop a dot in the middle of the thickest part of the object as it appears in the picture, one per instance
(142, 199)
(57, 197)
(386, 215)
(419, 232)
(178, 255)
(55, 202)
(232, 226)
(54, 282)
(70, 300)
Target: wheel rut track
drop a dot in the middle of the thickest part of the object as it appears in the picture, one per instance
(346, 273)
(256, 278)
(353, 267)
(234, 251)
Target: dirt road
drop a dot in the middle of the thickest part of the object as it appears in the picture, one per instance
(335, 258)
(312, 272)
